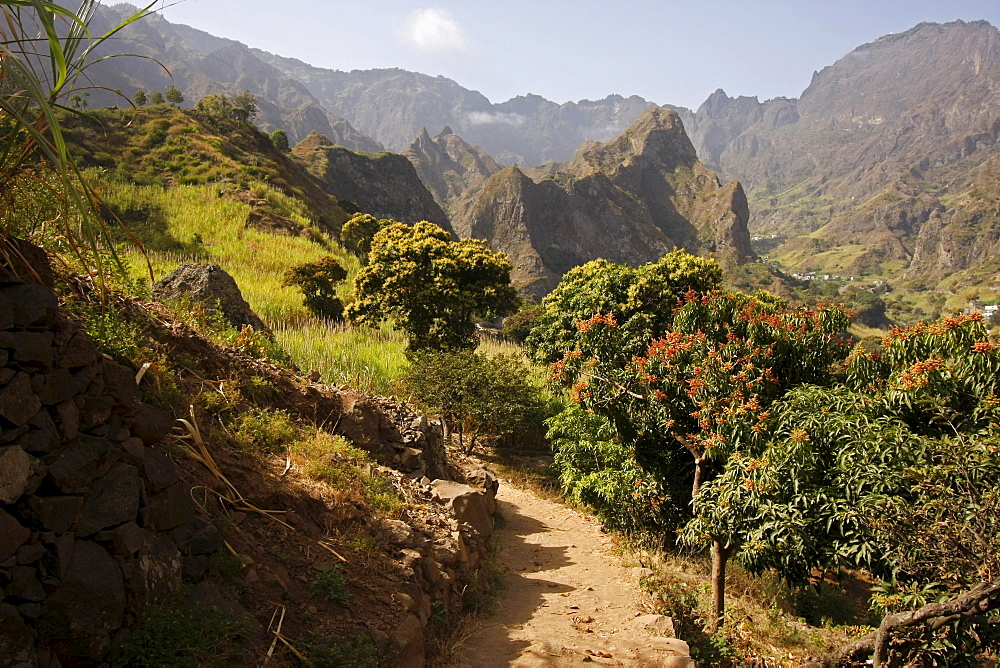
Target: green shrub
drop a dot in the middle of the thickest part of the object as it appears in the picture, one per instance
(476, 394)
(331, 584)
(181, 635)
(596, 470)
(518, 326)
(318, 282)
(264, 431)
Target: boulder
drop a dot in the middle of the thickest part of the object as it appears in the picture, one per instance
(18, 403)
(113, 499)
(211, 285)
(469, 505)
(12, 536)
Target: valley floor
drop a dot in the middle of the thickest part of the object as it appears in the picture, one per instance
(569, 598)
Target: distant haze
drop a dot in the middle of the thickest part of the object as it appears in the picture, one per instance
(665, 51)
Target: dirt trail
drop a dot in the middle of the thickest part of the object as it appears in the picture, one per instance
(569, 599)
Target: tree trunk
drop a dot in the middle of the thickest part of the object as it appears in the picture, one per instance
(720, 557)
(699, 475)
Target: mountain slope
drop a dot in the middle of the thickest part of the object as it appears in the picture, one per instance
(892, 136)
(383, 184)
(629, 200)
(451, 168)
(200, 64)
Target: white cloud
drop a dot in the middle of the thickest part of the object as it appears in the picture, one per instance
(434, 30)
(485, 117)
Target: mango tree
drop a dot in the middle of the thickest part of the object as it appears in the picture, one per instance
(703, 386)
(897, 471)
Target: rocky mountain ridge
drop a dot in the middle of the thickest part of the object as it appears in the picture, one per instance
(891, 137)
(630, 200)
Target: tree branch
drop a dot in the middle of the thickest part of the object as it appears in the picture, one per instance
(981, 598)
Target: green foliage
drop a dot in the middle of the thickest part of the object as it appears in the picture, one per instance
(174, 96)
(178, 635)
(517, 327)
(476, 393)
(264, 431)
(895, 472)
(641, 299)
(358, 233)
(156, 98)
(244, 107)
(280, 140)
(598, 471)
(331, 584)
(430, 286)
(218, 106)
(140, 98)
(45, 51)
(342, 651)
(317, 281)
(680, 602)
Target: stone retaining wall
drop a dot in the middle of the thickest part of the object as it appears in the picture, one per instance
(94, 520)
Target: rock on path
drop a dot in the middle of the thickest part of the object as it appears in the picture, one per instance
(568, 600)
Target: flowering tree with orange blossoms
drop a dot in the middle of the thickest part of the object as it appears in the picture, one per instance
(704, 387)
(897, 471)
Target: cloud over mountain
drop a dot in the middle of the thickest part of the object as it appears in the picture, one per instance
(434, 30)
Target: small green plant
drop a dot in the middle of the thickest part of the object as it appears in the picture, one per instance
(331, 584)
(682, 603)
(339, 651)
(264, 431)
(229, 568)
(381, 494)
(181, 635)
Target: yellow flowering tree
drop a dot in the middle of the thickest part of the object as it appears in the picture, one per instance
(430, 286)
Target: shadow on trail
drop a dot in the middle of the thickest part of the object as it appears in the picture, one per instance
(526, 564)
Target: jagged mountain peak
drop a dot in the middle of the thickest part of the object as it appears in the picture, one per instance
(630, 200)
(657, 136)
(451, 168)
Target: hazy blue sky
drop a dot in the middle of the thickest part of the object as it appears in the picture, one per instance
(666, 51)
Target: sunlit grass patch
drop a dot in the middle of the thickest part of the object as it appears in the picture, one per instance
(365, 359)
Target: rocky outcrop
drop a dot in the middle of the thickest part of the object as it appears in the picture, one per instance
(452, 169)
(630, 200)
(94, 519)
(383, 184)
(213, 287)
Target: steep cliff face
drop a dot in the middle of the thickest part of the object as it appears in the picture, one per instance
(629, 200)
(451, 168)
(383, 184)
